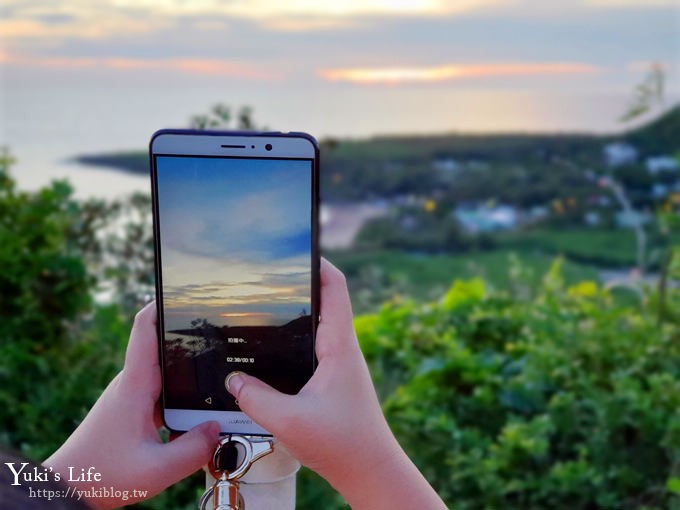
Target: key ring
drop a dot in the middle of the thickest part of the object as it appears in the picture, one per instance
(251, 449)
(225, 490)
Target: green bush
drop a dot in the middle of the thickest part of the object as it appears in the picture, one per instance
(566, 400)
(563, 397)
(58, 350)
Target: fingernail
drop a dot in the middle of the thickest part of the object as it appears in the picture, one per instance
(234, 383)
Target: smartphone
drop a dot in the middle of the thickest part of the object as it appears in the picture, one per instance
(237, 267)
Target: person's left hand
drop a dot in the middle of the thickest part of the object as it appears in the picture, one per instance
(119, 436)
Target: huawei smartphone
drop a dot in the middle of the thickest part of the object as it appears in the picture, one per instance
(237, 267)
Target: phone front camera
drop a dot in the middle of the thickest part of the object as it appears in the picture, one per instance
(268, 146)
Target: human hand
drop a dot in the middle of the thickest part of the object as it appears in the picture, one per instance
(334, 425)
(119, 436)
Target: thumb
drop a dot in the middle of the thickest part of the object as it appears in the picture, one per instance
(268, 407)
(189, 452)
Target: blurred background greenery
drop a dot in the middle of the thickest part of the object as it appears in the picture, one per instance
(522, 331)
(515, 277)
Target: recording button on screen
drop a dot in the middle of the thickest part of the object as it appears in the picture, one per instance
(228, 378)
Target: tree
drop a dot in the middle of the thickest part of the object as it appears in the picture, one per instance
(648, 95)
(58, 348)
(220, 117)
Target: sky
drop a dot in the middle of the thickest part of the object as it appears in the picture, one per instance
(235, 240)
(93, 76)
(564, 44)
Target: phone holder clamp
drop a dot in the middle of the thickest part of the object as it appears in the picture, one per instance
(233, 457)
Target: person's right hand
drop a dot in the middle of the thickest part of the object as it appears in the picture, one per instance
(334, 425)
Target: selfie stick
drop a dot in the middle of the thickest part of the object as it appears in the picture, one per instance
(252, 470)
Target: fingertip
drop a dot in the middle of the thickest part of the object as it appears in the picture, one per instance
(189, 451)
(147, 314)
(141, 356)
(336, 306)
(264, 404)
(330, 274)
(211, 430)
(234, 382)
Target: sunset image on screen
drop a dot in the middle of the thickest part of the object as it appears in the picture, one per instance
(235, 238)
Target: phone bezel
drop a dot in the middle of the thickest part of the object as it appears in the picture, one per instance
(230, 144)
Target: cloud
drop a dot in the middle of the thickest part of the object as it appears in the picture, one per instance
(255, 211)
(247, 315)
(235, 315)
(85, 19)
(247, 290)
(192, 66)
(273, 298)
(272, 9)
(314, 15)
(173, 299)
(77, 19)
(632, 3)
(283, 286)
(261, 39)
(51, 62)
(396, 75)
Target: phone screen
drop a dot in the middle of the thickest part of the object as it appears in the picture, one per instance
(235, 270)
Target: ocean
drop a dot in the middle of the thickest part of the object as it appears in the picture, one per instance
(45, 125)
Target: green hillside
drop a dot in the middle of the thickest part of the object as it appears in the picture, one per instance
(657, 136)
(660, 135)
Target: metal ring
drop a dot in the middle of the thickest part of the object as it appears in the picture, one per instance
(242, 467)
(203, 502)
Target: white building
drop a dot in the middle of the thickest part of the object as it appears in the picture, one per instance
(445, 164)
(632, 219)
(619, 153)
(660, 190)
(656, 164)
(487, 219)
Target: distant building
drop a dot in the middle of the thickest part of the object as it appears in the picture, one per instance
(445, 164)
(487, 219)
(660, 190)
(604, 201)
(409, 222)
(656, 164)
(592, 218)
(405, 200)
(538, 212)
(631, 219)
(619, 153)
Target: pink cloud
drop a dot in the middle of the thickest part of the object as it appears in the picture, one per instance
(397, 75)
(183, 65)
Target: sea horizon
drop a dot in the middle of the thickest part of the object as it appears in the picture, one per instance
(109, 119)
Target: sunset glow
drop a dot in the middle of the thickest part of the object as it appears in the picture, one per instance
(315, 65)
(201, 66)
(245, 314)
(396, 75)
